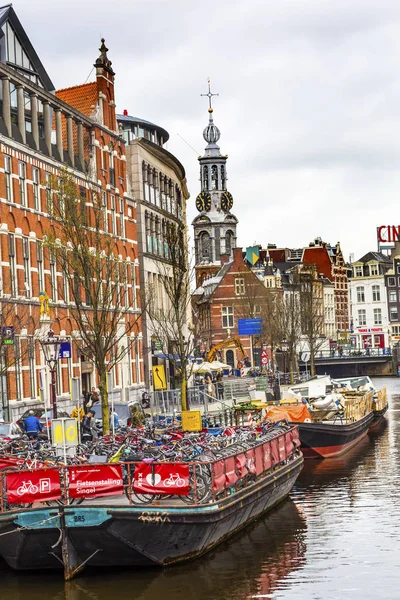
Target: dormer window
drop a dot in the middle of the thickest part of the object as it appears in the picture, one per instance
(358, 272)
(374, 270)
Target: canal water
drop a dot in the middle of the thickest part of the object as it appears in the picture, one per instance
(336, 538)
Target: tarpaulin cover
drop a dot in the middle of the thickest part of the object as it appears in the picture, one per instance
(241, 468)
(259, 460)
(297, 414)
(251, 461)
(168, 478)
(96, 480)
(274, 451)
(218, 475)
(267, 455)
(33, 486)
(282, 447)
(231, 477)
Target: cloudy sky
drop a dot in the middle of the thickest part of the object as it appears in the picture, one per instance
(309, 104)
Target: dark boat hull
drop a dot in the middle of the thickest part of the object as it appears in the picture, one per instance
(134, 536)
(325, 440)
(379, 417)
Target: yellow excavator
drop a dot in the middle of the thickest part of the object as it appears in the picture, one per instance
(232, 341)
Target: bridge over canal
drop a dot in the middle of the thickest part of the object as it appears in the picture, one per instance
(375, 362)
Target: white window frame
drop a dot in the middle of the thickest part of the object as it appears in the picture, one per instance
(8, 177)
(377, 316)
(376, 293)
(239, 286)
(360, 295)
(362, 317)
(227, 315)
(391, 294)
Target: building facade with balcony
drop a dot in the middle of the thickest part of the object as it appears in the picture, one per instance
(41, 133)
(158, 183)
(369, 302)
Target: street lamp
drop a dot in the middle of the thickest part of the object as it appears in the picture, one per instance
(51, 349)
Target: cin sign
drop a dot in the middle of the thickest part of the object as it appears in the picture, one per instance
(388, 234)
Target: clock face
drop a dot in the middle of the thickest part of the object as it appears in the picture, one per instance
(227, 201)
(203, 201)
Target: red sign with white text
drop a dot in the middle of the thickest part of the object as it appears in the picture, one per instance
(168, 479)
(96, 480)
(33, 486)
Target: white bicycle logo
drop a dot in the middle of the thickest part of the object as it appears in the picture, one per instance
(27, 488)
(174, 480)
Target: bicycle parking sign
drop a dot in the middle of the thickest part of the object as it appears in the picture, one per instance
(166, 479)
(33, 486)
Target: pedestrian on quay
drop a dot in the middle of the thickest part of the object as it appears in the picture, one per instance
(114, 420)
(87, 427)
(32, 426)
(78, 413)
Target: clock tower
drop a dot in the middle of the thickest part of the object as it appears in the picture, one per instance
(215, 226)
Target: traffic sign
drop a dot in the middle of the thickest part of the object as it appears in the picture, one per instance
(159, 379)
(64, 433)
(264, 360)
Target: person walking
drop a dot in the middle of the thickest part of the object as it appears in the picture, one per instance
(32, 426)
(87, 426)
(114, 421)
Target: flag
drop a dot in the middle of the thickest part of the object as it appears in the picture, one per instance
(252, 254)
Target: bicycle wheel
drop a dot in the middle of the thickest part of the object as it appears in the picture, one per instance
(203, 490)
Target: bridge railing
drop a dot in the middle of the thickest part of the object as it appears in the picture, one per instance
(347, 353)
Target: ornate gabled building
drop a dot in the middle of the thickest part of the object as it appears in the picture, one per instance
(215, 226)
(41, 133)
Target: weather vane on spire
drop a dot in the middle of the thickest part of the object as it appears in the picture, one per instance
(209, 95)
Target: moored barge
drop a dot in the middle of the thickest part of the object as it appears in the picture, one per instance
(104, 531)
(330, 426)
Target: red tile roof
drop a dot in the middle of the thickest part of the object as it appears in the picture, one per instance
(82, 97)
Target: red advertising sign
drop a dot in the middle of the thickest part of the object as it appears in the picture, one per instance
(33, 486)
(96, 480)
(162, 479)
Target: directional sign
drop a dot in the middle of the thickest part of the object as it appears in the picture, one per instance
(7, 335)
(159, 379)
(249, 326)
(65, 350)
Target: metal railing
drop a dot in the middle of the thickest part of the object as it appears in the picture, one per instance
(352, 353)
(207, 480)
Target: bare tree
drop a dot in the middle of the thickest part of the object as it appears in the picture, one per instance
(98, 285)
(270, 311)
(312, 311)
(169, 308)
(288, 316)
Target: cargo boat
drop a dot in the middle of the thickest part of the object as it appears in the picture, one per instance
(331, 424)
(104, 532)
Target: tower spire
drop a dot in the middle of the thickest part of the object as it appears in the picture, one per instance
(209, 95)
(211, 133)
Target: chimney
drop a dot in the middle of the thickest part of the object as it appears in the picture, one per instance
(238, 255)
(225, 258)
(125, 112)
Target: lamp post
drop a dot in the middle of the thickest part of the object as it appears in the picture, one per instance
(284, 348)
(51, 350)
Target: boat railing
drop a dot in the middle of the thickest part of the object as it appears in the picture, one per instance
(380, 399)
(158, 483)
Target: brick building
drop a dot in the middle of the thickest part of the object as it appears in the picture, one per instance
(330, 263)
(234, 292)
(40, 132)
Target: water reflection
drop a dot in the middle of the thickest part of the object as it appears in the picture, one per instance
(252, 563)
